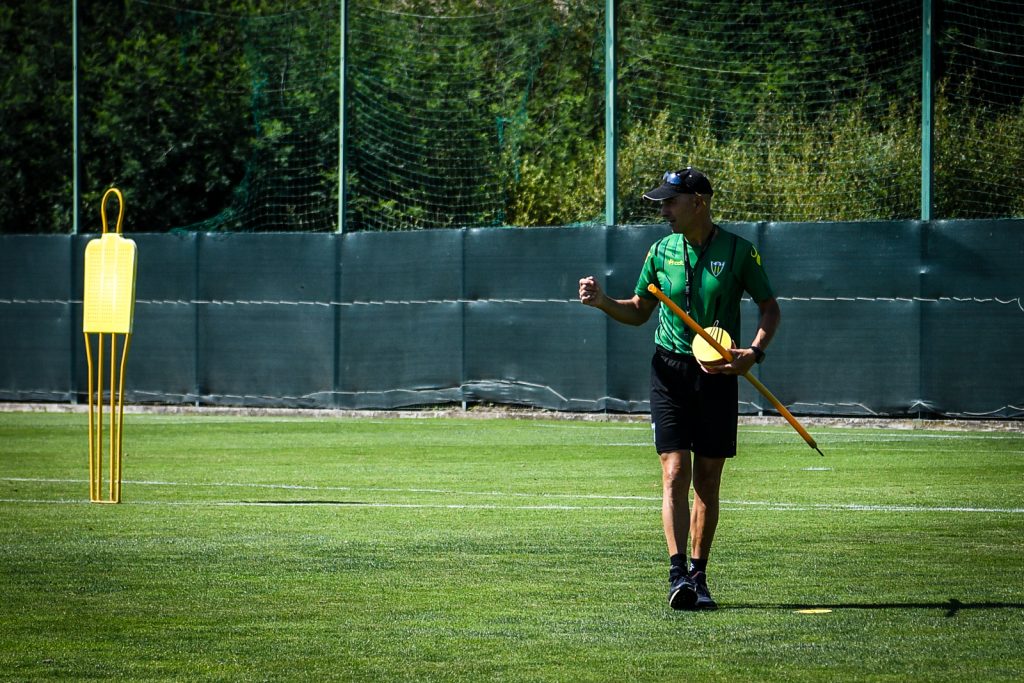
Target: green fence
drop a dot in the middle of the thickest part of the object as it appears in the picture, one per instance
(899, 319)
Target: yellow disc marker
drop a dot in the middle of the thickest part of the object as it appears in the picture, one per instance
(704, 352)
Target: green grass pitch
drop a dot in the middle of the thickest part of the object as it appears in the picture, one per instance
(357, 549)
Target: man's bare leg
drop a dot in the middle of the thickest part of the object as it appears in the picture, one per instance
(676, 473)
(707, 480)
(675, 499)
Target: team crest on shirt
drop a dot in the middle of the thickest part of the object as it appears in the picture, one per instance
(717, 267)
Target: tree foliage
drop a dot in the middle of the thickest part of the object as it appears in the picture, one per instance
(180, 107)
(35, 117)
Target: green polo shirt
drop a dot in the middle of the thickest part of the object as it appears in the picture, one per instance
(729, 267)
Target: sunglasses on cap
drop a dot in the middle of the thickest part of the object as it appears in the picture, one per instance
(687, 180)
(676, 177)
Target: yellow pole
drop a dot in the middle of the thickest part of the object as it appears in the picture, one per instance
(727, 355)
(92, 437)
(113, 415)
(116, 477)
(99, 420)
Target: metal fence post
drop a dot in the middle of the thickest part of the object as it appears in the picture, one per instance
(342, 41)
(927, 110)
(610, 111)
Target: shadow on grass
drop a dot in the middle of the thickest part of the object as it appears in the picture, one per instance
(305, 502)
(952, 606)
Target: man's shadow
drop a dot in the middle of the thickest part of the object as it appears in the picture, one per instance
(306, 502)
(952, 606)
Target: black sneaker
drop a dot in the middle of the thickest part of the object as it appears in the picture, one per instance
(681, 592)
(702, 594)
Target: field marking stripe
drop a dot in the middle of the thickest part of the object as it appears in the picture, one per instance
(331, 503)
(837, 432)
(378, 489)
(430, 506)
(863, 507)
(726, 504)
(731, 506)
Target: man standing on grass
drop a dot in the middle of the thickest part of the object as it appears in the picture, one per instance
(694, 408)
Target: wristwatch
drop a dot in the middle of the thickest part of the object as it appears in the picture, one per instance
(758, 353)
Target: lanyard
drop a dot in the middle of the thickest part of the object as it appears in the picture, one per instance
(688, 291)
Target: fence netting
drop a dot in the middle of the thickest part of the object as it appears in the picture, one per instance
(216, 116)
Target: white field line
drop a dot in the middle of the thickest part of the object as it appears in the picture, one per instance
(372, 489)
(726, 504)
(900, 436)
(885, 447)
(328, 503)
(833, 435)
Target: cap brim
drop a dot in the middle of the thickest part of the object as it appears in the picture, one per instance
(663, 191)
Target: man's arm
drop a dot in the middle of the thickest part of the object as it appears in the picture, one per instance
(744, 359)
(768, 323)
(635, 311)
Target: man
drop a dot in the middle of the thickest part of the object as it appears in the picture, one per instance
(705, 270)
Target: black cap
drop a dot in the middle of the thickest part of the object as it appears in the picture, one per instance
(685, 181)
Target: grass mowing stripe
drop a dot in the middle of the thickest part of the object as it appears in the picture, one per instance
(732, 505)
(345, 488)
(741, 504)
(341, 504)
(835, 433)
(859, 435)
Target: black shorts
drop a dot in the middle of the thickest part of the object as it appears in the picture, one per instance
(690, 409)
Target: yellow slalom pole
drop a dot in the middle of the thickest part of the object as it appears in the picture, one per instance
(116, 475)
(725, 353)
(112, 466)
(93, 476)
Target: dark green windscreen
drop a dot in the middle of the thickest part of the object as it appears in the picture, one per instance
(886, 318)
